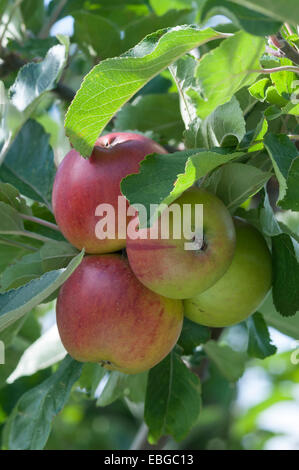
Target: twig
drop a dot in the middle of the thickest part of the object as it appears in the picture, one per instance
(285, 68)
(283, 45)
(44, 32)
(43, 222)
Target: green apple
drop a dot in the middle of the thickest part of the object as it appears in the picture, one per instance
(243, 287)
(168, 265)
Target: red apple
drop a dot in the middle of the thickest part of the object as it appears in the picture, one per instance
(81, 185)
(165, 266)
(105, 315)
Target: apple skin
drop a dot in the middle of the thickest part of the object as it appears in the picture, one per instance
(165, 267)
(82, 184)
(243, 287)
(105, 315)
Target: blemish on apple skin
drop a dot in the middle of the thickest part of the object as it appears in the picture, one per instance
(105, 363)
(195, 305)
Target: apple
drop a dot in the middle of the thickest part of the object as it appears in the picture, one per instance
(105, 315)
(166, 266)
(81, 185)
(243, 287)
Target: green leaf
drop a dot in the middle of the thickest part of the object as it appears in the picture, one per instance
(259, 341)
(42, 353)
(234, 183)
(24, 270)
(275, 8)
(29, 163)
(193, 335)
(90, 378)
(183, 71)
(291, 199)
(34, 79)
(11, 196)
(158, 113)
(9, 253)
(285, 274)
(3, 6)
(162, 6)
(269, 224)
(230, 363)
(251, 21)
(284, 80)
(282, 153)
(224, 127)
(273, 112)
(253, 141)
(8, 335)
(238, 56)
(12, 355)
(15, 303)
(138, 28)
(259, 88)
(31, 48)
(52, 255)
(57, 255)
(108, 37)
(274, 98)
(121, 385)
(173, 399)
(11, 222)
(29, 425)
(114, 81)
(163, 178)
(98, 32)
(287, 325)
(43, 212)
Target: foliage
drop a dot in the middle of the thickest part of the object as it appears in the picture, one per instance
(224, 102)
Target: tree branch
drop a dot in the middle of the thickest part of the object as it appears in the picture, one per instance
(286, 68)
(283, 45)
